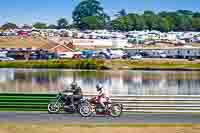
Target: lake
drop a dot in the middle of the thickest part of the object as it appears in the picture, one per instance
(118, 82)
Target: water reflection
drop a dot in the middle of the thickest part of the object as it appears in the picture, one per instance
(118, 82)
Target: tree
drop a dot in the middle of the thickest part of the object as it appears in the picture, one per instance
(163, 14)
(149, 12)
(129, 22)
(185, 12)
(164, 25)
(151, 20)
(71, 26)
(121, 13)
(196, 15)
(25, 26)
(121, 23)
(140, 23)
(183, 23)
(196, 24)
(9, 26)
(181, 20)
(93, 22)
(62, 23)
(88, 8)
(171, 22)
(40, 25)
(52, 26)
(136, 22)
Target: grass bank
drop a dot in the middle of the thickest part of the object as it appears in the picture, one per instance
(154, 64)
(67, 64)
(145, 64)
(110, 128)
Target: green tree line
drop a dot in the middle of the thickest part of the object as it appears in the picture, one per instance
(181, 20)
(89, 14)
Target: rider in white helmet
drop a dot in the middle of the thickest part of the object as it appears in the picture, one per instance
(103, 95)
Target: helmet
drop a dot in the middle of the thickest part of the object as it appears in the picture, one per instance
(73, 85)
(99, 87)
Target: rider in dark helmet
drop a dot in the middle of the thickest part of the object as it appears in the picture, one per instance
(73, 85)
(77, 92)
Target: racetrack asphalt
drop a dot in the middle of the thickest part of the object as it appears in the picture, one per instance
(38, 117)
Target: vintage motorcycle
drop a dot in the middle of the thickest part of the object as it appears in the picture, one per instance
(95, 108)
(62, 103)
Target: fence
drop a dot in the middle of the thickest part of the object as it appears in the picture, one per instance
(161, 104)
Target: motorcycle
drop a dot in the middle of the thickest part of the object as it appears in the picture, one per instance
(94, 107)
(61, 102)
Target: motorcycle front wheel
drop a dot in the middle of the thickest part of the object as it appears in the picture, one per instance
(53, 108)
(85, 111)
(116, 110)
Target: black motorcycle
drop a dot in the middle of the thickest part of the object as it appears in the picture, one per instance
(63, 102)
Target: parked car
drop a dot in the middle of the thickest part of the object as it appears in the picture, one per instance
(126, 56)
(6, 59)
(136, 57)
(66, 55)
(101, 56)
(143, 54)
(162, 55)
(191, 59)
(33, 56)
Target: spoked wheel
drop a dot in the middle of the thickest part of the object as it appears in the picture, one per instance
(85, 111)
(53, 108)
(116, 110)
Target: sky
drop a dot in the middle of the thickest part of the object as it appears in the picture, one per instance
(49, 11)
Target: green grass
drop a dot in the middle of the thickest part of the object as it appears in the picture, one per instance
(146, 64)
(152, 64)
(68, 64)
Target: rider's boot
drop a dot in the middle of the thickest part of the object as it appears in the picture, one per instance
(105, 108)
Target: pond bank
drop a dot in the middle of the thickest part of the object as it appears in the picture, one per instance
(145, 64)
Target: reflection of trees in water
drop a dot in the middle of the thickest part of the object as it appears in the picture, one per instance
(89, 79)
(181, 75)
(143, 83)
(6, 75)
(33, 80)
(38, 77)
(120, 82)
(188, 87)
(129, 82)
(92, 77)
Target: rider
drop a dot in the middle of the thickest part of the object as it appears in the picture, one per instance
(77, 93)
(103, 95)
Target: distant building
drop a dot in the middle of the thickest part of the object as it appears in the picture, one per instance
(172, 52)
(23, 33)
(99, 43)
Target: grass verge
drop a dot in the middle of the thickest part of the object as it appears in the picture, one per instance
(145, 64)
(67, 64)
(154, 64)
